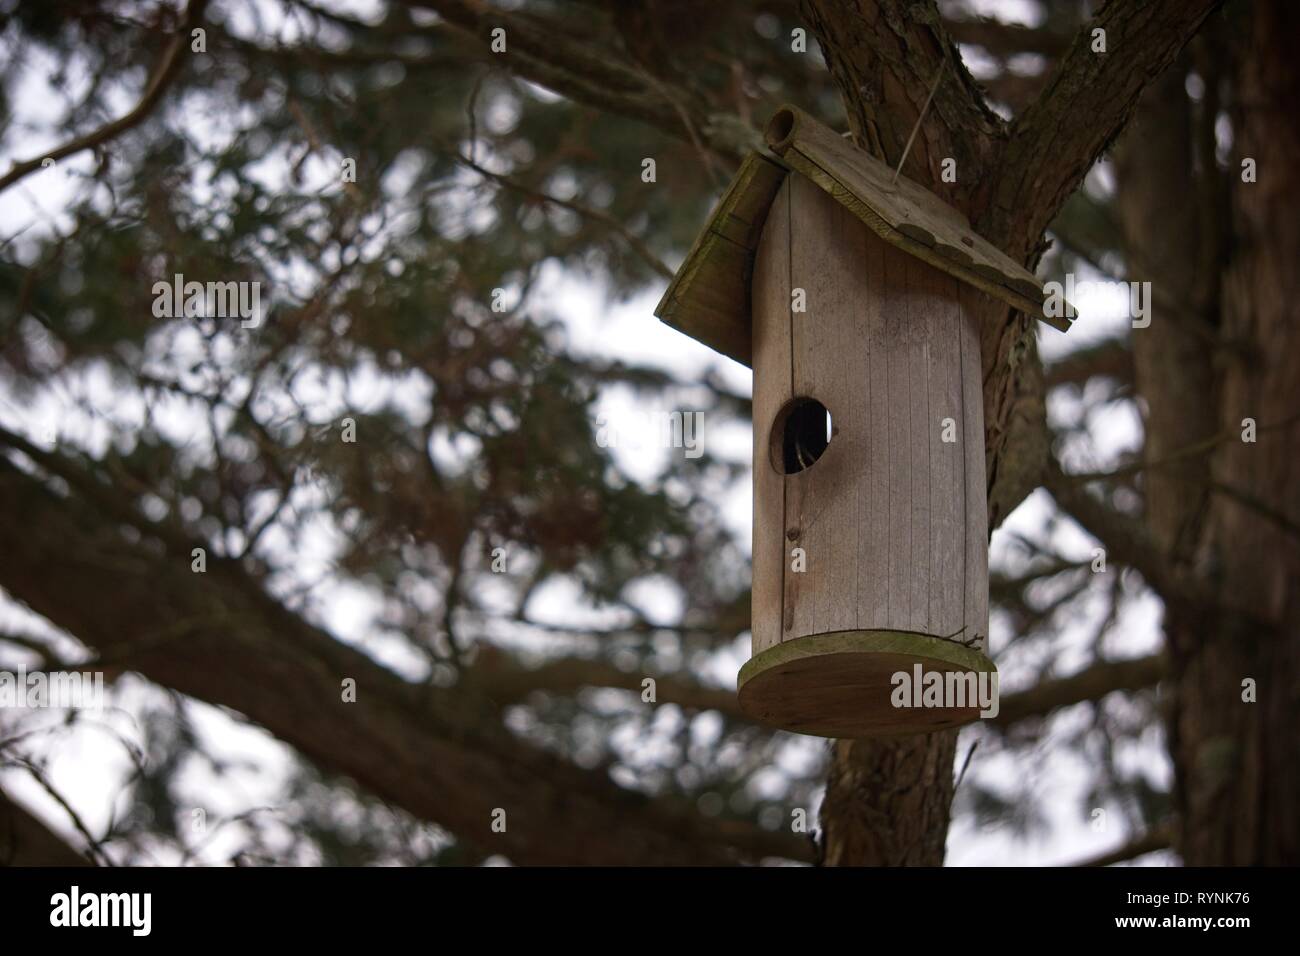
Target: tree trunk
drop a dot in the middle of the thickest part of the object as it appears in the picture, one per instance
(887, 801)
(1238, 762)
(1220, 349)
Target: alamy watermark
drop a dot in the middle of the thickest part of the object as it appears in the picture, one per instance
(1057, 298)
(946, 689)
(217, 300)
(653, 428)
(81, 690)
(133, 911)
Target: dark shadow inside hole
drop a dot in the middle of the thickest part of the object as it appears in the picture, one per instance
(800, 434)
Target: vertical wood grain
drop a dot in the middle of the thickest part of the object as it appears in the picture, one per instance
(810, 237)
(976, 518)
(898, 429)
(873, 439)
(921, 281)
(829, 365)
(771, 351)
(947, 465)
(891, 518)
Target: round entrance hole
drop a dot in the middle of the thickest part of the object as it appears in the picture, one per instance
(800, 434)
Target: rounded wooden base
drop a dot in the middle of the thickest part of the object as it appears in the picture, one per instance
(842, 684)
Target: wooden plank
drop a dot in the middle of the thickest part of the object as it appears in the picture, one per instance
(713, 282)
(921, 293)
(903, 212)
(898, 430)
(771, 349)
(847, 362)
(976, 599)
(947, 471)
(829, 365)
(809, 243)
(709, 298)
(873, 502)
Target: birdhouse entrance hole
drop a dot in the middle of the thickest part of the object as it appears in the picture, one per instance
(800, 435)
(873, 565)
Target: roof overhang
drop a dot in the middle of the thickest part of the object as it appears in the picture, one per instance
(709, 297)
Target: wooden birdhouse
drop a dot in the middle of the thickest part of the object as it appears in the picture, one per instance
(851, 295)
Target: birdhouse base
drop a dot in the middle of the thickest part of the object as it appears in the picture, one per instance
(844, 684)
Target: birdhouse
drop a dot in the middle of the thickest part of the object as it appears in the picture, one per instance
(852, 294)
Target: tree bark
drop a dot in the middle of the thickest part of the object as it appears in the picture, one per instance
(1238, 763)
(888, 802)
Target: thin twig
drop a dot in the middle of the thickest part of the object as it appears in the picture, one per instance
(1246, 499)
(1159, 838)
(637, 245)
(965, 765)
(1187, 451)
(162, 76)
(917, 127)
(93, 847)
(706, 157)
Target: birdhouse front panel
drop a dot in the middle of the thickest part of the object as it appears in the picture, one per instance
(874, 528)
(853, 293)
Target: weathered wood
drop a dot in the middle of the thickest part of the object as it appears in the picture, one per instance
(975, 615)
(920, 306)
(902, 212)
(947, 464)
(709, 297)
(821, 501)
(888, 516)
(872, 519)
(772, 367)
(840, 684)
(897, 426)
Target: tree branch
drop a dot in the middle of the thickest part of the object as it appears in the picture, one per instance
(1159, 838)
(442, 755)
(1124, 537)
(25, 840)
(546, 54)
(1110, 358)
(1085, 103)
(505, 681)
(161, 78)
(883, 56)
(1092, 683)
(634, 242)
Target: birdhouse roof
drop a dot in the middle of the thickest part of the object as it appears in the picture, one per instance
(709, 297)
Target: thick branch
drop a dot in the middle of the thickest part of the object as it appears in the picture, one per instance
(440, 754)
(1086, 102)
(1110, 358)
(884, 56)
(546, 54)
(505, 681)
(1092, 683)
